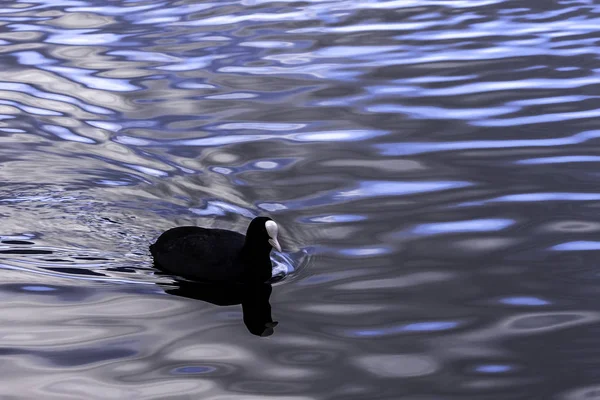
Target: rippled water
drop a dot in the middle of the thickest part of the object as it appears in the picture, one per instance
(431, 163)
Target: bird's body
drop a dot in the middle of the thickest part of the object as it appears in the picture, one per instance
(184, 250)
(216, 255)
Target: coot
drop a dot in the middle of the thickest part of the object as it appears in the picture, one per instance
(218, 255)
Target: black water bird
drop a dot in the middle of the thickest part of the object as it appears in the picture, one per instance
(218, 255)
(254, 298)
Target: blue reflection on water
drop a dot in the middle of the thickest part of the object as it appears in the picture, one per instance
(32, 58)
(388, 188)
(430, 326)
(559, 160)
(367, 189)
(535, 197)
(326, 219)
(432, 112)
(537, 119)
(407, 148)
(577, 246)
(415, 327)
(114, 10)
(524, 301)
(216, 207)
(38, 288)
(66, 134)
(476, 225)
(352, 51)
(366, 251)
(25, 88)
(548, 197)
(30, 109)
(550, 100)
(348, 135)
(493, 368)
(83, 76)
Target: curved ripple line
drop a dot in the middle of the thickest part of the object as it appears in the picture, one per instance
(29, 109)
(581, 245)
(558, 160)
(538, 119)
(408, 148)
(25, 88)
(475, 225)
(348, 135)
(115, 10)
(398, 188)
(431, 112)
(487, 87)
(535, 197)
(66, 134)
(414, 327)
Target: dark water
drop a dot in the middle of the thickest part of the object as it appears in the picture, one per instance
(433, 165)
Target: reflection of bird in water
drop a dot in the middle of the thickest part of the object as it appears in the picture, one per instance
(254, 298)
(218, 255)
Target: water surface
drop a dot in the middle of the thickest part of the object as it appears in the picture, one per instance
(432, 165)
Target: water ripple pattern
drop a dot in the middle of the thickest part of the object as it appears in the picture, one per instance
(432, 165)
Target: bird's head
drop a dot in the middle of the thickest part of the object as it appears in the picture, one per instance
(263, 231)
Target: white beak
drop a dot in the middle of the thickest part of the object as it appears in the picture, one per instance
(273, 242)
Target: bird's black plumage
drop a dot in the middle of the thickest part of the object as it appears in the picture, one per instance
(215, 255)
